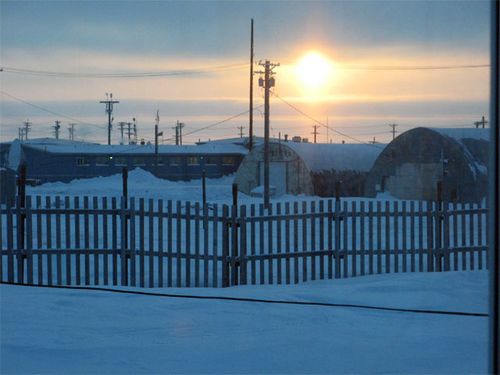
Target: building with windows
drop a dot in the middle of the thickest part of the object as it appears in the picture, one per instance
(61, 160)
(414, 164)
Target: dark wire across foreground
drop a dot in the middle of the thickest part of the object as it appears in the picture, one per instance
(256, 300)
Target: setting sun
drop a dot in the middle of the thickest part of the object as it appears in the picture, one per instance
(314, 71)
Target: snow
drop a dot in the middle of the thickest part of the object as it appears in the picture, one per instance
(72, 331)
(94, 148)
(464, 133)
(341, 157)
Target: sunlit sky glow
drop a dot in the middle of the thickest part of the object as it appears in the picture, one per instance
(340, 39)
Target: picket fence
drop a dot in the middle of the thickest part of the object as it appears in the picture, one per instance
(156, 243)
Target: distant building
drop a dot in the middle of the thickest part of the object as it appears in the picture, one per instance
(307, 168)
(411, 165)
(61, 160)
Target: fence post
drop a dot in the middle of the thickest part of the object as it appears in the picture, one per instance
(225, 247)
(123, 244)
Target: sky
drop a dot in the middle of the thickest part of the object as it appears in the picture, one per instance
(375, 52)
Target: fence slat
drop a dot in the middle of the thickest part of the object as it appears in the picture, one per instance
(330, 239)
(295, 242)
(58, 241)
(206, 233)
(243, 246)
(151, 255)
(371, 242)
(78, 275)
(304, 241)
(387, 243)
(29, 240)
(178, 223)
(278, 242)
(412, 236)
(261, 243)
(86, 233)
(105, 245)
(114, 242)
(321, 239)
(396, 247)
(472, 241)
(337, 217)
(253, 246)
(39, 241)
(479, 234)
(123, 242)
(353, 239)
(215, 247)
(455, 236)
(225, 247)
(95, 206)
(345, 240)
(233, 245)
(270, 243)
(160, 243)
(197, 244)
(67, 230)
(10, 244)
(188, 244)
(132, 244)
(287, 243)
(362, 238)
(420, 236)
(313, 240)
(48, 238)
(169, 243)
(142, 250)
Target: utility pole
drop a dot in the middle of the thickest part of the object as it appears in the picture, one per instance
(71, 130)
(315, 132)
(129, 130)
(27, 127)
(21, 134)
(267, 82)
(121, 124)
(483, 122)
(178, 133)
(135, 131)
(240, 128)
(393, 131)
(109, 110)
(250, 112)
(157, 123)
(56, 127)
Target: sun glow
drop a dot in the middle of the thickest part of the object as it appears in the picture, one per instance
(314, 72)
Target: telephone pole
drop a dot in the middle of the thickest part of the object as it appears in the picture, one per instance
(135, 131)
(122, 124)
(27, 128)
(393, 131)
(178, 133)
(267, 82)
(71, 131)
(240, 128)
(483, 122)
(315, 132)
(250, 113)
(56, 127)
(109, 110)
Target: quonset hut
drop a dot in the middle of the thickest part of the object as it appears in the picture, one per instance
(307, 168)
(411, 165)
(60, 160)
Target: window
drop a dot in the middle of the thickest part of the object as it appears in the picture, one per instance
(139, 161)
(212, 160)
(193, 160)
(228, 160)
(103, 160)
(175, 160)
(82, 161)
(120, 161)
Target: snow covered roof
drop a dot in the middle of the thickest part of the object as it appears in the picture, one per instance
(464, 133)
(341, 157)
(94, 148)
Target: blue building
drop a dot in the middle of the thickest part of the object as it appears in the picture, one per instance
(50, 160)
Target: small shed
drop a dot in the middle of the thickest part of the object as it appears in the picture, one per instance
(413, 164)
(308, 168)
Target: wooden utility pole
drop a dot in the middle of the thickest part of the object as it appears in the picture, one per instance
(393, 131)
(57, 127)
(267, 82)
(315, 132)
(240, 128)
(27, 128)
(71, 131)
(109, 110)
(483, 122)
(250, 112)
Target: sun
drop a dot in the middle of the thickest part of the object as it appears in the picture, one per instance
(314, 71)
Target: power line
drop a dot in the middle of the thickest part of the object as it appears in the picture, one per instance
(319, 122)
(167, 73)
(50, 111)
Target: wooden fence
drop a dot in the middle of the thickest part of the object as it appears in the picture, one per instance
(156, 243)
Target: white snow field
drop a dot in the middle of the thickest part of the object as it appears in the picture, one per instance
(55, 331)
(61, 331)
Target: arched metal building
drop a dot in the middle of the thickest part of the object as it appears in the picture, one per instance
(413, 164)
(307, 168)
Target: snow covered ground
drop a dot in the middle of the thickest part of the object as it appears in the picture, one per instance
(71, 331)
(74, 331)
